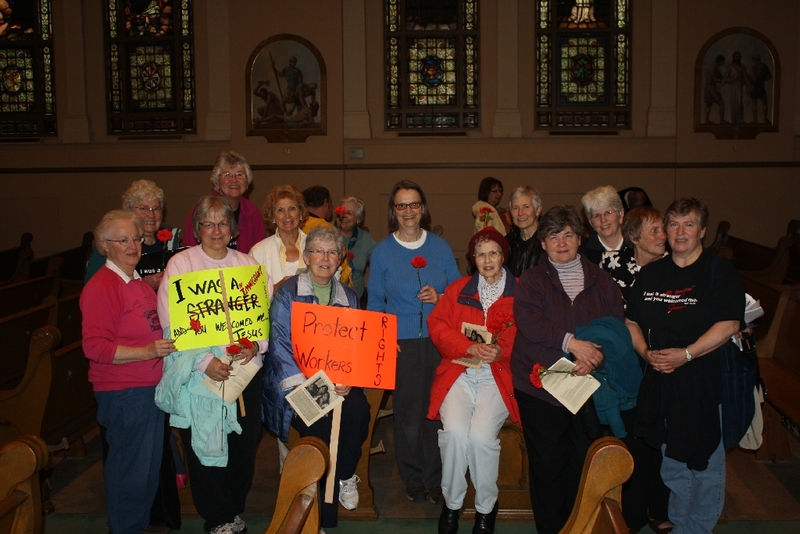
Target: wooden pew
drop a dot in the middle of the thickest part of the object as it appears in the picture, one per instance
(768, 294)
(15, 337)
(598, 506)
(779, 363)
(70, 320)
(764, 262)
(22, 408)
(72, 264)
(20, 506)
(21, 296)
(14, 261)
(297, 508)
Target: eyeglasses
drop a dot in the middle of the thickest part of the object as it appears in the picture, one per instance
(325, 253)
(210, 226)
(125, 241)
(228, 175)
(403, 205)
(491, 254)
(606, 214)
(157, 209)
(496, 191)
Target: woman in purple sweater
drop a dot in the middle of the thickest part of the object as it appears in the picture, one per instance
(122, 338)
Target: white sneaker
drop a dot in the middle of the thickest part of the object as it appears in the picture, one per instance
(239, 526)
(348, 492)
(226, 528)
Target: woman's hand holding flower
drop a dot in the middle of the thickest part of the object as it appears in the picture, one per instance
(487, 353)
(428, 295)
(160, 348)
(218, 370)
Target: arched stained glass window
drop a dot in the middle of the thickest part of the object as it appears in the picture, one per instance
(150, 67)
(27, 87)
(431, 65)
(583, 65)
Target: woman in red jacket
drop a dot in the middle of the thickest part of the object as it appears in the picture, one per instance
(474, 400)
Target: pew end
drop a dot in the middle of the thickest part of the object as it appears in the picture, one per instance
(20, 504)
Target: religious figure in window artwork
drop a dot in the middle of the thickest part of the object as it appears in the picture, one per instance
(756, 76)
(711, 94)
(148, 18)
(16, 19)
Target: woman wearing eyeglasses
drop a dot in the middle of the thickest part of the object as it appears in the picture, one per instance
(145, 199)
(322, 253)
(220, 481)
(409, 270)
(603, 209)
(231, 178)
(123, 341)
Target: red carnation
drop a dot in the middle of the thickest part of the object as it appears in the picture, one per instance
(536, 375)
(418, 262)
(499, 323)
(350, 255)
(485, 210)
(245, 343)
(233, 349)
(195, 325)
(164, 235)
(340, 211)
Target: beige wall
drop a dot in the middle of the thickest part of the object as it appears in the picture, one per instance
(59, 188)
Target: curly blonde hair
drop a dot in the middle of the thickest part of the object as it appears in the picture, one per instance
(276, 194)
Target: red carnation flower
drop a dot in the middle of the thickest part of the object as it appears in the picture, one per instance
(164, 235)
(233, 349)
(340, 211)
(245, 343)
(350, 255)
(195, 325)
(485, 210)
(418, 262)
(536, 375)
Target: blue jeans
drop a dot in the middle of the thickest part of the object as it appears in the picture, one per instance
(135, 434)
(696, 498)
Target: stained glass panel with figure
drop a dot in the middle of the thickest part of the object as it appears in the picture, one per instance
(150, 67)
(27, 90)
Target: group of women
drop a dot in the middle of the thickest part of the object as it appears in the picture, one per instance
(539, 291)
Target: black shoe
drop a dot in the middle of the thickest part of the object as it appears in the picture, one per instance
(448, 521)
(484, 523)
(435, 495)
(416, 494)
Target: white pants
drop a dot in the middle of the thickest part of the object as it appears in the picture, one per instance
(472, 414)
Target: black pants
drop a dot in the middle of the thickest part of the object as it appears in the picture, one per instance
(353, 431)
(220, 493)
(557, 446)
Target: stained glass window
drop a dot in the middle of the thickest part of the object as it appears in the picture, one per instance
(431, 65)
(150, 67)
(27, 87)
(583, 65)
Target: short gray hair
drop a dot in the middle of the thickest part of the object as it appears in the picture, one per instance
(141, 190)
(228, 160)
(601, 198)
(526, 191)
(324, 234)
(213, 204)
(556, 219)
(360, 207)
(103, 229)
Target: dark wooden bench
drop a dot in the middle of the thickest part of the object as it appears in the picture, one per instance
(69, 319)
(72, 265)
(15, 337)
(768, 294)
(15, 298)
(761, 261)
(779, 362)
(14, 261)
(20, 505)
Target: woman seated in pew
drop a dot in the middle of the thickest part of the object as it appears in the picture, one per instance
(122, 338)
(645, 495)
(220, 440)
(474, 402)
(322, 254)
(146, 200)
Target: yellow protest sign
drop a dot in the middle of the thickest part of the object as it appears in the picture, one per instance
(218, 306)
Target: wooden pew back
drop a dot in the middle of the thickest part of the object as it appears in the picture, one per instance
(765, 262)
(20, 502)
(21, 296)
(15, 337)
(297, 508)
(71, 263)
(14, 261)
(71, 406)
(608, 465)
(787, 343)
(70, 319)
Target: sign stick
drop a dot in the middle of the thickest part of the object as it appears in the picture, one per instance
(336, 424)
(230, 329)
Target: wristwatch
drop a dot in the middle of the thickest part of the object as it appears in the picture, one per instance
(688, 354)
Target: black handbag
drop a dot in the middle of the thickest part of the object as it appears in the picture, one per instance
(740, 375)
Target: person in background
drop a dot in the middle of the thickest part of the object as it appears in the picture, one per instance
(603, 209)
(525, 208)
(473, 403)
(281, 253)
(231, 178)
(410, 269)
(487, 210)
(282, 374)
(634, 197)
(122, 339)
(349, 218)
(145, 199)
(220, 441)
(563, 292)
(320, 213)
(680, 311)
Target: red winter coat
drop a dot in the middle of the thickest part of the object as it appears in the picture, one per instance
(461, 303)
